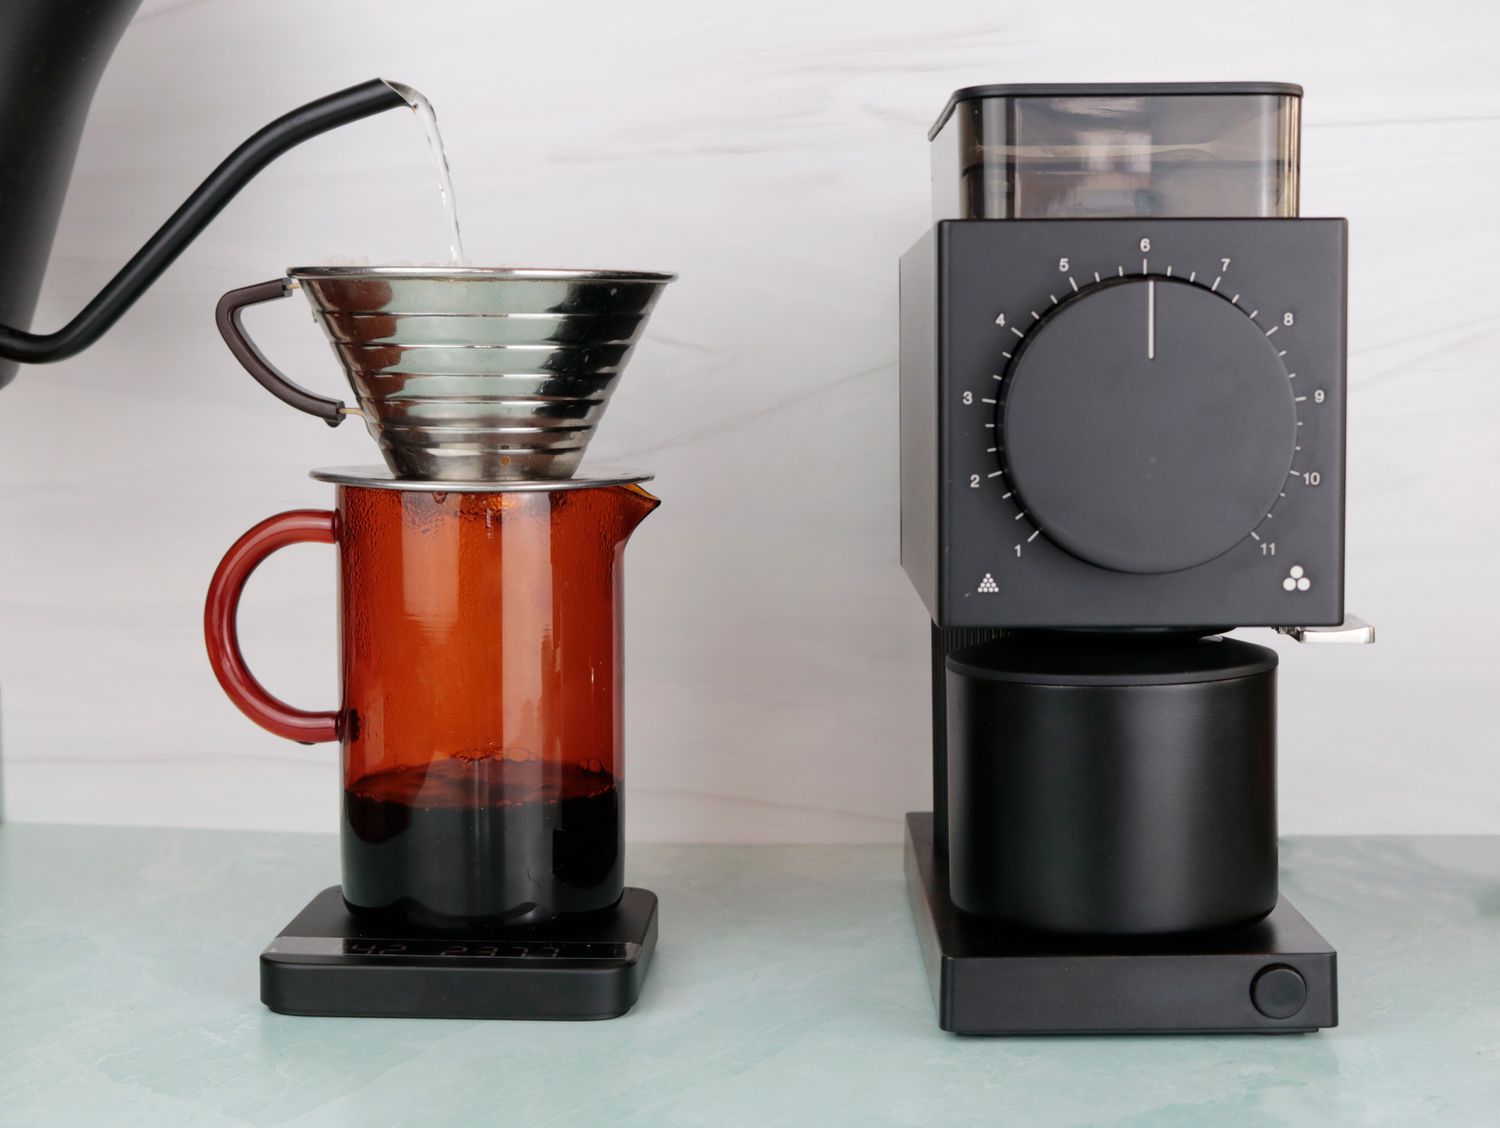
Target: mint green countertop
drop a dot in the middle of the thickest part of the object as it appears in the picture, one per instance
(787, 989)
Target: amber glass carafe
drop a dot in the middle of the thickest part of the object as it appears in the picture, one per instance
(481, 720)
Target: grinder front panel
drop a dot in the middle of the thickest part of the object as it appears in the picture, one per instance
(1138, 423)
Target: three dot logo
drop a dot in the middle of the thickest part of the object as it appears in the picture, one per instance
(1296, 580)
(988, 586)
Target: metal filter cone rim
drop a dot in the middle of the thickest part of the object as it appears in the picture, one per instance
(381, 478)
(481, 273)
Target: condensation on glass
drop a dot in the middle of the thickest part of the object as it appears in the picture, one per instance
(1178, 150)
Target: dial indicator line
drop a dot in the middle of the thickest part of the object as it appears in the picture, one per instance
(1299, 399)
(1035, 316)
(1143, 266)
(1193, 277)
(1005, 354)
(1020, 514)
(1234, 300)
(1033, 536)
(1053, 297)
(996, 474)
(1254, 534)
(1254, 313)
(1169, 272)
(989, 450)
(1005, 496)
(1214, 289)
(1096, 276)
(998, 376)
(1151, 320)
(1073, 284)
(1120, 270)
(1017, 332)
(983, 400)
(1272, 329)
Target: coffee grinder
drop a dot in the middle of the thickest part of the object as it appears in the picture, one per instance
(1122, 434)
(480, 719)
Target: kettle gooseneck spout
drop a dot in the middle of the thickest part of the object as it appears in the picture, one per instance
(184, 225)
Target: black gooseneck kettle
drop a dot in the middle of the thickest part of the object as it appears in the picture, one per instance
(52, 53)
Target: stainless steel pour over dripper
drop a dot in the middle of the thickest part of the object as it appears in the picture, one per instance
(461, 373)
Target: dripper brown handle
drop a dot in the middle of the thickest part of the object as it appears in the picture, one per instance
(227, 317)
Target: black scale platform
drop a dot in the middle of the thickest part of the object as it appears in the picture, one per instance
(326, 962)
(1273, 977)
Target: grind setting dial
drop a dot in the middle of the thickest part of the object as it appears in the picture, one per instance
(1146, 424)
(1121, 423)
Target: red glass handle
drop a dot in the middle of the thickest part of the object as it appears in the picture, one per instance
(298, 526)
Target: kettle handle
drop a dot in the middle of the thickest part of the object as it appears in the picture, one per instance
(297, 526)
(227, 317)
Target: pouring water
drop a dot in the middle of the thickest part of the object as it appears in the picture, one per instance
(428, 117)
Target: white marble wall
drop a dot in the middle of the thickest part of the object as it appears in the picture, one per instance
(773, 153)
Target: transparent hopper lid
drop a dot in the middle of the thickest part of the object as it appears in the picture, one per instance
(1086, 151)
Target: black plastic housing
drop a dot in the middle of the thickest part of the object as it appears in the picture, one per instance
(958, 526)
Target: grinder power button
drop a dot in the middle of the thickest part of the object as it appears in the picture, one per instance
(1278, 991)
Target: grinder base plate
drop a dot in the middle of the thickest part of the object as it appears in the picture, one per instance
(1277, 976)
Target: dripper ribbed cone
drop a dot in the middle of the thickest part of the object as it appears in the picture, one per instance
(493, 374)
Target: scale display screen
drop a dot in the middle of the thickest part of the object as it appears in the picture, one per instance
(429, 948)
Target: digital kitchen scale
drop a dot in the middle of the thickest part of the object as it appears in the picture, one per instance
(327, 962)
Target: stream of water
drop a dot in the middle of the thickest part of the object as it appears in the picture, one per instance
(428, 117)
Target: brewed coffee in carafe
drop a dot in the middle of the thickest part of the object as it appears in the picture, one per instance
(482, 715)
